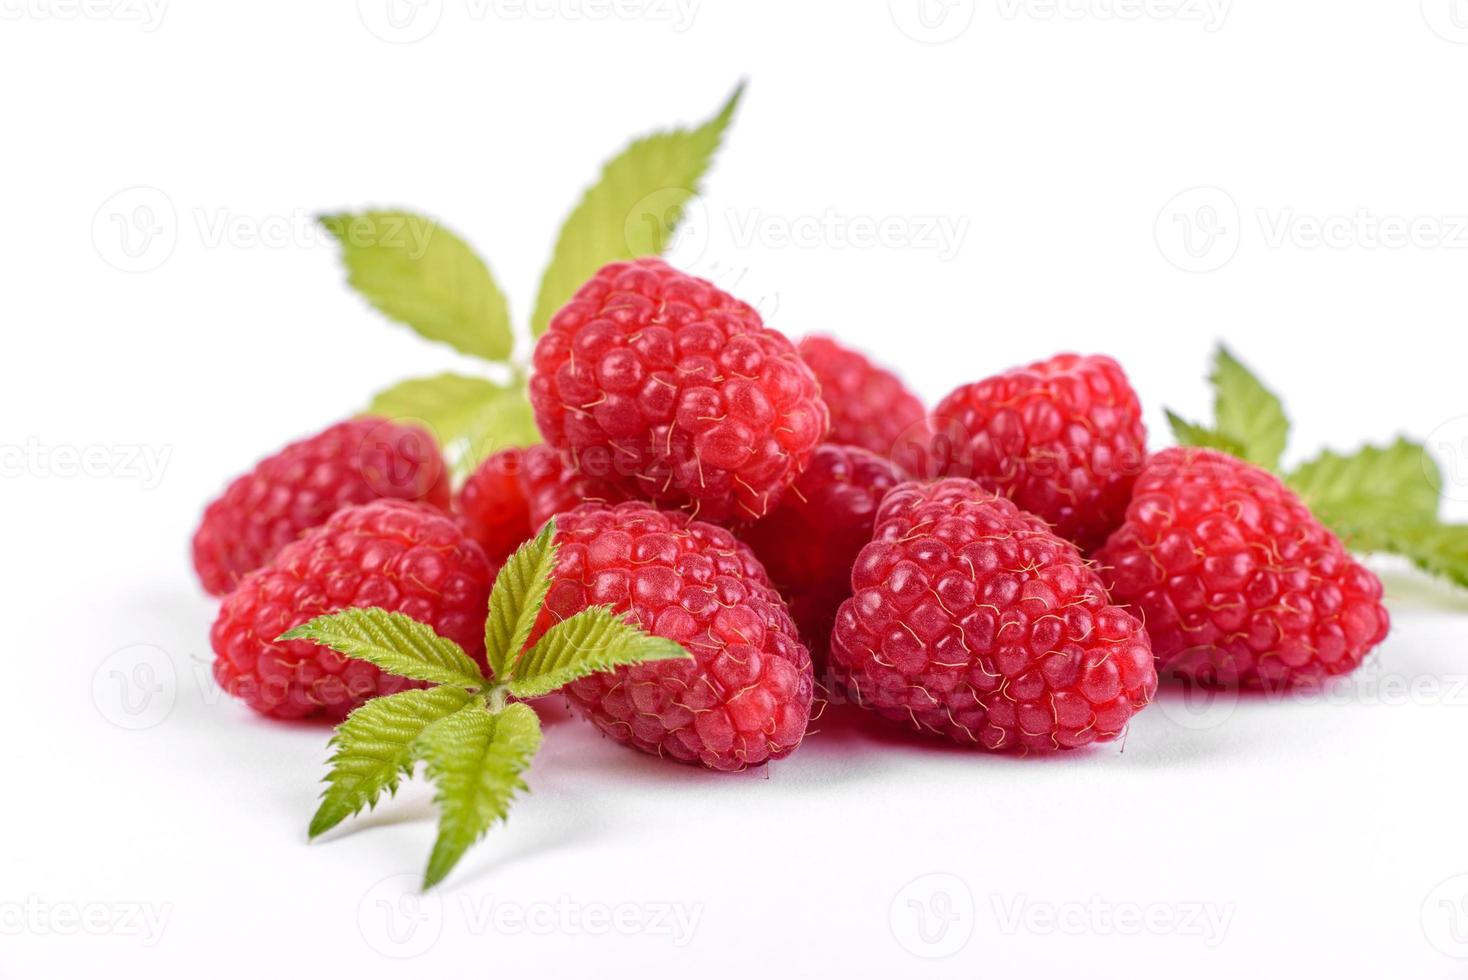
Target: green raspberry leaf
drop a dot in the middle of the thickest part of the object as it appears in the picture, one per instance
(1190, 434)
(421, 274)
(591, 641)
(1438, 549)
(514, 604)
(1398, 483)
(393, 642)
(471, 417)
(475, 758)
(632, 210)
(374, 747)
(1247, 412)
(1385, 499)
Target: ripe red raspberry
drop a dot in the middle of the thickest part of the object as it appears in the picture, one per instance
(810, 540)
(746, 697)
(493, 503)
(1062, 438)
(305, 483)
(399, 556)
(677, 392)
(971, 620)
(552, 488)
(1237, 581)
(870, 406)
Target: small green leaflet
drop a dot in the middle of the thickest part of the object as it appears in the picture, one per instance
(393, 642)
(471, 417)
(375, 745)
(1396, 483)
(1436, 548)
(476, 758)
(592, 641)
(1386, 499)
(632, 210)
(519, 592)
(1379, 498)
(476, 744)
(1188, 434)
(1249, 421)
(419, 273)
(1247, 412)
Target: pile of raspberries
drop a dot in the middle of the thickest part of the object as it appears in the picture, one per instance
(1011, 570)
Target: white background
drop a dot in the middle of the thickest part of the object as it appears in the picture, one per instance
(1319, 835)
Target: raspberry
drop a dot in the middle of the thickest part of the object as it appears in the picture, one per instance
(305, 483)
(551, 488)
(402, 557)
(746, 697)
(1062, 438)
(1237, 581)
(809, 542)
(870, 406)
(493, 503)
(668, 387)
(970, 619)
